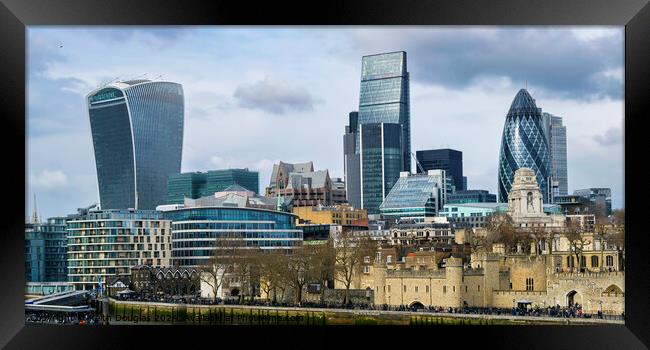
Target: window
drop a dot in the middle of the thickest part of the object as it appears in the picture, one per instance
(366, 259)
(444, 289)
(569, 261)
(427, 289)
(479, 288)
(529, 284)
(594, 261)
(453, 289)
(583, 261)
(366, 269)
(416, 289)
(609, 260)
(389, 288)
(404, 288)
(465, 289)
(389, 259)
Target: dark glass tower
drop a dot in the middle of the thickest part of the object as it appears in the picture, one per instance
(137, 130)
(449, 160)
(381, 162)
(524, 144)
(351, 162)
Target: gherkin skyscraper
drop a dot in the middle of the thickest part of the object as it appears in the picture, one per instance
(524, 145)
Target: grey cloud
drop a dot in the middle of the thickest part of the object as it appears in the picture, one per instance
(611, 137)
(274, 96)
(553, 59)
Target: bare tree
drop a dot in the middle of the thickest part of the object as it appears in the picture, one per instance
(481, 242)
(220, 263)
(323, 264)
(502, 227)
(350, 253)
(298, 271)
(577, 241)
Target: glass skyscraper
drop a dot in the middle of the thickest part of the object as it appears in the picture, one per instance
(379, 134)
(46, 252)
(381, 162)
(384, 96)
(198, 184)
(449, 160)
(556, 138)
(351, 162)
(524, 144)
(137, 130)
(413, 197)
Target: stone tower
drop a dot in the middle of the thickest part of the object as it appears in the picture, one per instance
(525, 197)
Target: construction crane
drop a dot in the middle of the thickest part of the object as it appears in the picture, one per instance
(418, 163)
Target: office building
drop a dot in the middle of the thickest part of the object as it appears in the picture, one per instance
(197, 184)
(196, 228)
(381, 161)
(471, 196)
(340, 214)
(556, 138)
(413, 197)
(573, 204)
(385, 96)
(301, 186)
(449, 160)
(105, 243)
(524, 144)
(46, 258)
(599, 198)
(137, 132)
(351, 162)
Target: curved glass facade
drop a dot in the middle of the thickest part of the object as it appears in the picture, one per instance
(137, 130)
(194, 231)
(524, 144)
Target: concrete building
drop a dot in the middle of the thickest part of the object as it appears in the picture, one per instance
(431, 230)
(300, 185)
(525, 203)
(341, 214)
(104, 243)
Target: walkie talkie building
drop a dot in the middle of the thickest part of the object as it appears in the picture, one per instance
(137, 130)
(524, 145)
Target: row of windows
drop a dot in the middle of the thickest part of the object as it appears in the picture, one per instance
(609, 261)
(444, 289)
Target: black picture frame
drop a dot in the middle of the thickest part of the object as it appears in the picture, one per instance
(15, 15)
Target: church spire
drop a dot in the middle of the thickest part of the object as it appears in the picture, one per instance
(34, 213)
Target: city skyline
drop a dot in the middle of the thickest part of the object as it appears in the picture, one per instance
(246, 93)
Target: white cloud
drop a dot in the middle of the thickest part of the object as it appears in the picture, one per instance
(49, 179)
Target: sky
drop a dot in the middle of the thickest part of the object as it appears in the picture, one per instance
(258, 95)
